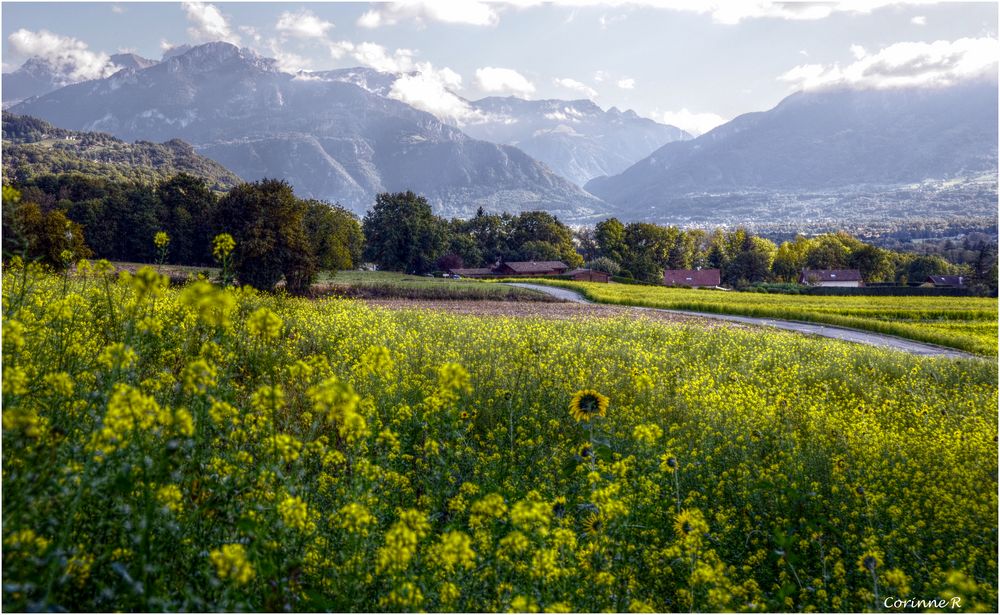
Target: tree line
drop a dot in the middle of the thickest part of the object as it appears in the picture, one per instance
(280, 236)
(644, 251)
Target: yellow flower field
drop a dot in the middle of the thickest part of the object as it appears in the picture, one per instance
(205, 449)
(965, 323)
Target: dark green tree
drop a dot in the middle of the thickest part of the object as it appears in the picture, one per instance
(491, 233)
(46, 236)
(186, 202)
(334, 235)
(923, 266)
(541, 226)
(647, 248)
(610, 238)
(267, 222)
(873, 262)
(402, 234)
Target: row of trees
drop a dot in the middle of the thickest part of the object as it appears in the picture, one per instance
(402, 234)
(644, 251)
(277, 234)
(280, 236)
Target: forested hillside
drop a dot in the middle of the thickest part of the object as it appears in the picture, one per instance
(33, 148)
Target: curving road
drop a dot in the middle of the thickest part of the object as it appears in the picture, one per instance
(838, 333)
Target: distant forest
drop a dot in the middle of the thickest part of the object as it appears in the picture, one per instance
(118, 220)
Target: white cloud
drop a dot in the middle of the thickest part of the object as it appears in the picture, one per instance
(940, 63)
(600, 76)
(432, 90)
(208, 23)
(68, 57)
(627, 83)
(735, 11)
(377, 57)
(479, 13)
(491, 79)
(919, 20)
(117, 9)
(694, 123)
(286, 60)
(374, 56)
(606, 21)
(302, 24)
(420, 11)
(577, 86)
(252, 33)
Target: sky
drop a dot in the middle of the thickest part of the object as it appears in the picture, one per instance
(691, 63)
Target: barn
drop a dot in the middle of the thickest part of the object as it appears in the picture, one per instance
(473, 272)
(531, 268)
(692, 277)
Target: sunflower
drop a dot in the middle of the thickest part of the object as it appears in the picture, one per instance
(586, 451)
(592, 524)
(587, 404)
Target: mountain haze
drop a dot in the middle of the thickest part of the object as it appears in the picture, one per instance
(330, 138)
(839, 145)
(577, 139)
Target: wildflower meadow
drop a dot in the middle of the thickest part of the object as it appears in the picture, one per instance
(210, 448)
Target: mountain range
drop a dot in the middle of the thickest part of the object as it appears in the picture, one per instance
(577, 139)
(38, 76)
(331, 139)
(849, 149)
(824, 155)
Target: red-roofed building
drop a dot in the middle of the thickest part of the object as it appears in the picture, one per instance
(531, 268)
(471, 272)
(692, 277)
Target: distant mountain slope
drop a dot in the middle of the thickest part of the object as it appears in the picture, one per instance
(826, 143)
(33, 78)
(33, 147)
(577, 139)
(38, 76)
(330, 138)
(131, 60)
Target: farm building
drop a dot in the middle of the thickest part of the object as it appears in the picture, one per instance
(692, 277)
(476, 272)
(946, 281)
(589, 275)
(531, 268)
(848, 278)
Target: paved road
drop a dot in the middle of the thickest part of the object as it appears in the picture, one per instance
(839, 333)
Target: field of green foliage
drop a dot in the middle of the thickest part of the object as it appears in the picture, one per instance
(390, 284)
(966, 323)
(204, 449)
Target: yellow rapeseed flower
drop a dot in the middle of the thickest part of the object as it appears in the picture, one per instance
(264, 323)
(222, 245)
(231, 563)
